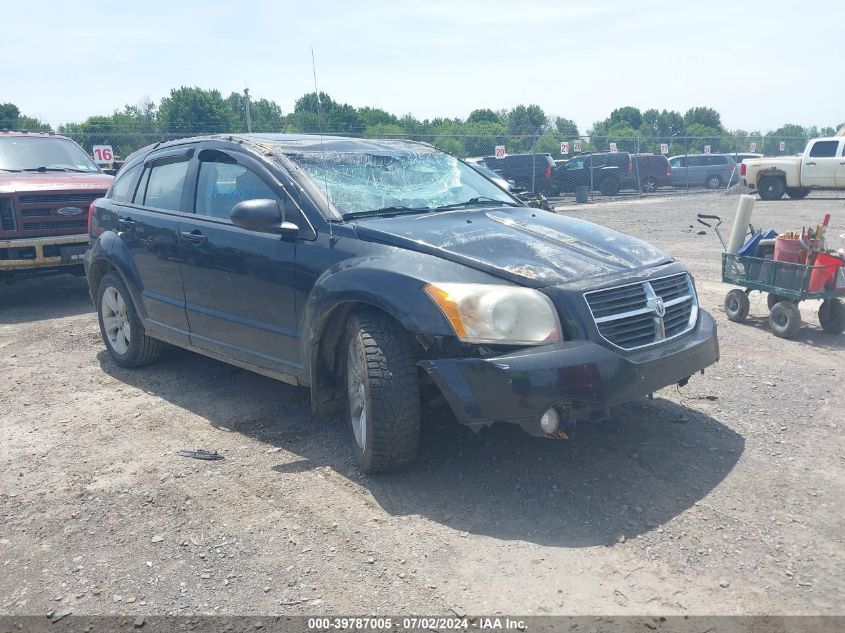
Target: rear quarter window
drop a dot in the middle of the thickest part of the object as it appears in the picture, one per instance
(122, 189)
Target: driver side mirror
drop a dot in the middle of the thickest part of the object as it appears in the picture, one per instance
(263, 215)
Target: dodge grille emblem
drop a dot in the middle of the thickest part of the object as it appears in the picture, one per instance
(659, 307)
(69, 211)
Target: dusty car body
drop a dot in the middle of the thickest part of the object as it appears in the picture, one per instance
(820, 166)
(375, 271)
(44, 206)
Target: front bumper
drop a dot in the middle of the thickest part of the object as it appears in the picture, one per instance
(575, 376)
(42, 252)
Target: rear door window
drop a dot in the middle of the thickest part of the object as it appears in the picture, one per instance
(680, 161)
(165, 184)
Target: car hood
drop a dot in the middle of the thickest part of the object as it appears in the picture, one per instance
(15, 182)
(527, 246)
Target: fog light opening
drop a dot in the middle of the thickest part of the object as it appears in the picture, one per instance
(550, 422)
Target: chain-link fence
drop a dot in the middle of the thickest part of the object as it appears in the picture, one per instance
(553, 164)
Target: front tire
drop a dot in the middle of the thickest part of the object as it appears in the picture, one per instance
(737, 305)
(797, 193)
(771, 188)
(785, 319)
(382, 392)
(121, 329)
(832, 316)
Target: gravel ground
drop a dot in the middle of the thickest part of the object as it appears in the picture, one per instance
(723, 497)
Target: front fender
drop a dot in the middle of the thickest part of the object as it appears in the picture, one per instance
(111, 251)
(399, 294)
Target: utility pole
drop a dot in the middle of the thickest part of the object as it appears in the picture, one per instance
(246, 107)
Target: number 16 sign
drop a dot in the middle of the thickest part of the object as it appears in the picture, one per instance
(102, 153)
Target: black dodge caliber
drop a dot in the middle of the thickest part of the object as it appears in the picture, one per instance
(375, 271)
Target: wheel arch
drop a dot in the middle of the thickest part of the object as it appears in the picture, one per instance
(109, 253)
(398, 294)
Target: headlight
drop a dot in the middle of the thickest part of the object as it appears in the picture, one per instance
(481, 313)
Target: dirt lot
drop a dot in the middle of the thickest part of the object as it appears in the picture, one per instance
(725, 497)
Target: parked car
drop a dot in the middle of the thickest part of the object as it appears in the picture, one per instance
(611, 172)
(650, 171)
(531, 172)
(47, 183)
(821, 166)
(377, 272)
(537, 200)
(709, 170)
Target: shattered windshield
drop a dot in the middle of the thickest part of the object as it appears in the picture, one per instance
(393, 181)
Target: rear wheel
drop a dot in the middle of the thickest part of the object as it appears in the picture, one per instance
(382, 392)
(649, 184)
(609, 186)
(737, 305)
(796, 193)
(120, 326)
(785, 319)
(713, 182)
(832, 316)
(771, 188)
(773, 299)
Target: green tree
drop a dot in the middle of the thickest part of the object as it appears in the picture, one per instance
(708, 117)
(375, 116)
(627, 114)
(483, 115)
(9, 114)
(793, 136)
(384, 130)
(483, 136)
(195, 111)
(566, 127)
(526, 120)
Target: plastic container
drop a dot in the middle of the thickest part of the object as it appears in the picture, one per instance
(823, 275)
(793, 251)
(581, 193)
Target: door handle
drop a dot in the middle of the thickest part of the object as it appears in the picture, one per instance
(810, 164)
(843, 163)
(194, 237)
(127, 224)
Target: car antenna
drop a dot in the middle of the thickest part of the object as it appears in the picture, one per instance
(322, 149)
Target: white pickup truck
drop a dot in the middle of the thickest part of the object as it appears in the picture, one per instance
(821, 166)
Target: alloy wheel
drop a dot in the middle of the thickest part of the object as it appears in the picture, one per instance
(116, 320)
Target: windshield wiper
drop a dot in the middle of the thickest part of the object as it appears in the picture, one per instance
(483, 200)
(43, 169)
(385, 211)
(5, 169)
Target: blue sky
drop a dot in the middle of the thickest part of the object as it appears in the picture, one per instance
(759, 63)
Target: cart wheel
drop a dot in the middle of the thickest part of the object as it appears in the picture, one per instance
(832, 316)
(772, 299)
(737, 305)
(785, 319)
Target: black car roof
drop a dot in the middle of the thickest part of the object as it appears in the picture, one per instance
(303, 143)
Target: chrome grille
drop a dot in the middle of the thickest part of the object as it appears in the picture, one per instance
(7, 215)
(640, 314)
(61, 224)
(76, 196)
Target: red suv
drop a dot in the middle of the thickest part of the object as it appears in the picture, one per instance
(47, 183)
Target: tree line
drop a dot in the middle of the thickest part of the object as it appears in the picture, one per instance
(524, 128)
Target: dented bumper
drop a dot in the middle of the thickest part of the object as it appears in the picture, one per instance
(575, 376)
(42, 252)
